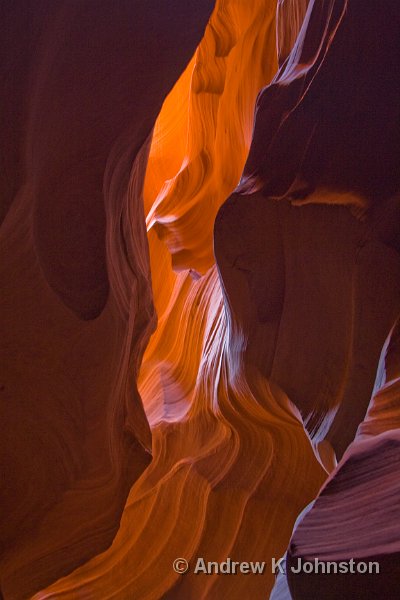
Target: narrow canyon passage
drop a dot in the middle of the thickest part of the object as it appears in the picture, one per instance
(200, 298)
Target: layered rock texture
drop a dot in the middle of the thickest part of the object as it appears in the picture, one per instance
(200, 296)
(83, 87)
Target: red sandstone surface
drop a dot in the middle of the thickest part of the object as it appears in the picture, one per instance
(200, 294)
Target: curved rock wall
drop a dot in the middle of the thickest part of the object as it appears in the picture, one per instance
(230, 167)
(83, 87)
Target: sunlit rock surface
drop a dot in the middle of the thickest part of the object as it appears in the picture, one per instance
(209, 490)
(276, 298)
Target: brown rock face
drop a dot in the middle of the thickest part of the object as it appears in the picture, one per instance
(305, 286)
(330, 119)
(355, 520)
(233, 167)
(313, 279)
(356, 516)
(83, 86)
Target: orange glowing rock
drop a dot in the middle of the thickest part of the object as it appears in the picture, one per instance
(216, 431)
(269, 224)
(206, 124)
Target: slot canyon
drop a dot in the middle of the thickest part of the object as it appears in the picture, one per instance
(200, 298)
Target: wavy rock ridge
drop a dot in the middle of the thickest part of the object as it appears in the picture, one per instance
(273, 244)
(76, 304)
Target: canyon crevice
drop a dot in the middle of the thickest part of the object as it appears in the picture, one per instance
(200, 302)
